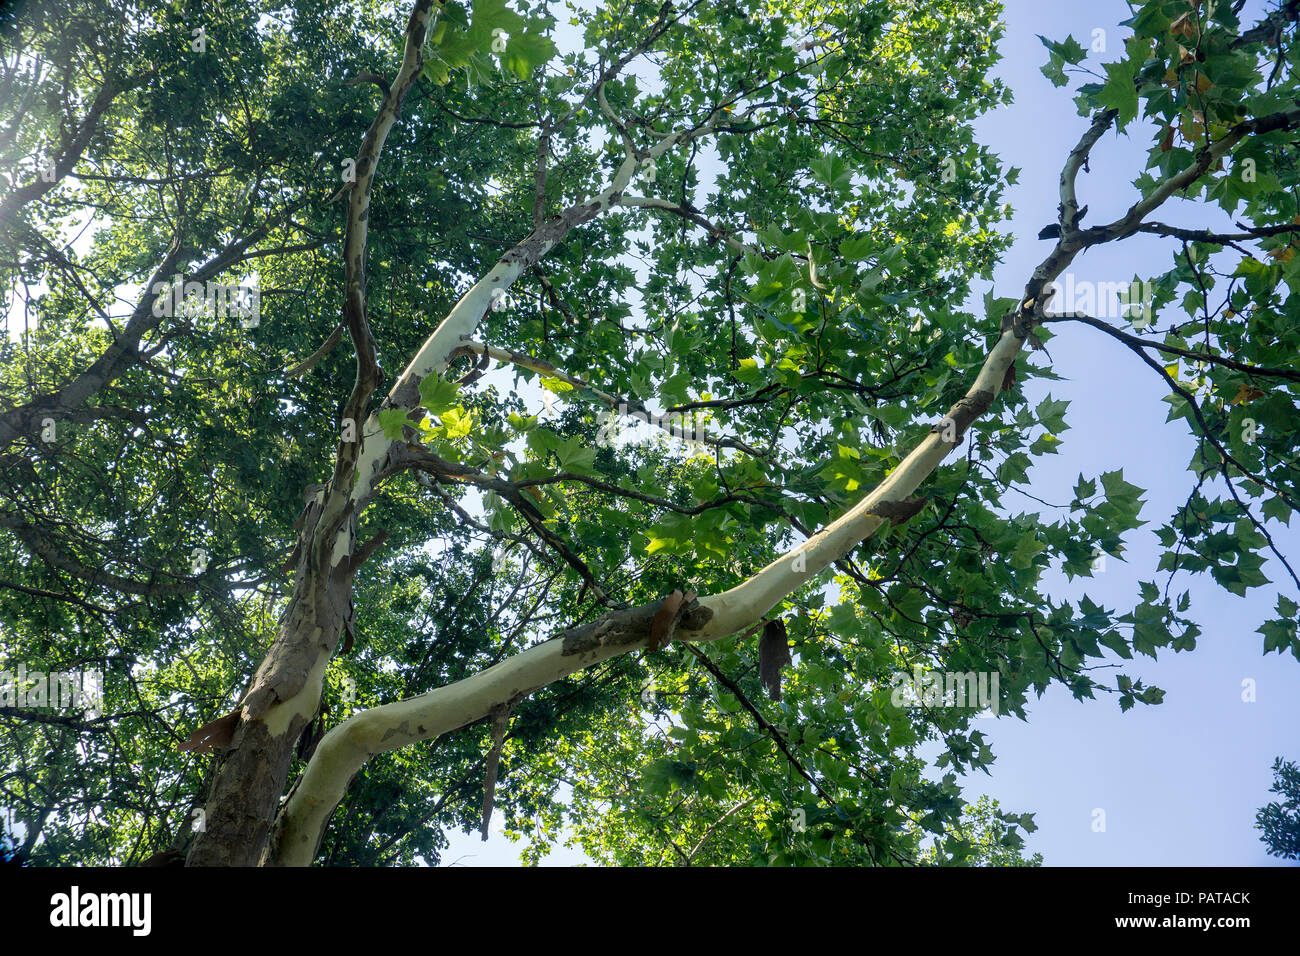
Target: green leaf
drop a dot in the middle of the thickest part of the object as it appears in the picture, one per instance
(1277, 509)
(1119, 491)
(542, 441)
(858, 248)
(1069, 49)
(454, 13)
(525, 52)
(437, 394)
(748, 371)
(1054, 70)
(1051, 413)
(1115, 641)
(1026, 549)
(1120, 92)
(392, 420)
(456, 422)
(521, 422)
(1015, 468)
(557, 385)
(576, 456)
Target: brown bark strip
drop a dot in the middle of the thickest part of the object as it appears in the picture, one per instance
(500, 717)
(899, 511)
(964, 412)
(773, 654)
(474, 374)
(627, 626)
(212, 735)
(661, 627)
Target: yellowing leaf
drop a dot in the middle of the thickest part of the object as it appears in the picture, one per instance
(457, 421)
(557, 385)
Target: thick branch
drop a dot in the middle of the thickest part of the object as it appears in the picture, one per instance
(376, 454)
(349, 745)
(354, 241)
(1132, 220)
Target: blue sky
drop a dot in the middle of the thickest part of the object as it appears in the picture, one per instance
(1179, 783)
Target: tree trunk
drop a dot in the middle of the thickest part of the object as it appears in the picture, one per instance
(283, 697)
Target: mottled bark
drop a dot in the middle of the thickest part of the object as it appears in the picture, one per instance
(282, 699)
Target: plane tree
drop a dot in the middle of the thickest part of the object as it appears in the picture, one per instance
(389, 590)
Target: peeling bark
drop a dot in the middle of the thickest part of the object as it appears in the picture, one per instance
(346, 748)
(282, 700)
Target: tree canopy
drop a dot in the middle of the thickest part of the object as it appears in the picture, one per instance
(352, 578)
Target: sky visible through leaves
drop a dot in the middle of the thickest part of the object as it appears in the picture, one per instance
(1180, 783)
(1176, 784)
